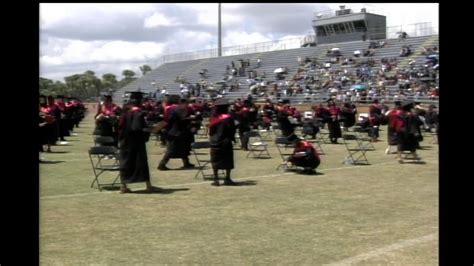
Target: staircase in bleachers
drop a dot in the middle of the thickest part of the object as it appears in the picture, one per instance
(166, 74)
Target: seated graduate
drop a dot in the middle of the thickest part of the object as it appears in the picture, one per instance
(304, 155)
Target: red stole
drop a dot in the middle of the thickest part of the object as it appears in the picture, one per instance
(214, 120)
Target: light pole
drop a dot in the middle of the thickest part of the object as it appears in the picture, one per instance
(219, 38)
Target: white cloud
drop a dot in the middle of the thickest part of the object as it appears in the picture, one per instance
(240, 37)
(156, 20)
(52, 14)
(80, 52)
(74, 34)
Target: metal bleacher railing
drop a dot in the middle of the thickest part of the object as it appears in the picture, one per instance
(413, 30)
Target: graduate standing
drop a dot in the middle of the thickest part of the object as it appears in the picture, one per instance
(133, 135)
(222, 134)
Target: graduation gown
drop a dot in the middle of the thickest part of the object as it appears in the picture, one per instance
(287, 128)
(178, 135)
(222, 133)
(309, 160)
(132, 139)
(333, 124)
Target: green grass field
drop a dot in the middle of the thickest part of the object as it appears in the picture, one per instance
(382, 213)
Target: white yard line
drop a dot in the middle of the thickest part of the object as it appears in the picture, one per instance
(385, 250)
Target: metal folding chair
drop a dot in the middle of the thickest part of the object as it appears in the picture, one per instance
(363, 139)
(356, 153)
(256, 145)
(96, 156)
(201, 152)
(282, 145)
(323, 136)
(104, 141)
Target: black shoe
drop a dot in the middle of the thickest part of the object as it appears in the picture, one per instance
(215, 183)
(163, 168)
(229, 182)
(188, 166)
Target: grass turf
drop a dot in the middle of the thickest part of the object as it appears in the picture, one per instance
(273, 218)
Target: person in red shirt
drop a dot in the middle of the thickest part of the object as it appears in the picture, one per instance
(304, 155)
(392, 117)
(333, 123)
(107, 118)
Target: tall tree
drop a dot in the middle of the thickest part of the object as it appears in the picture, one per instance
(109, 81)
(45, 85)
(92, 83)
(145, 69)
(128, 74)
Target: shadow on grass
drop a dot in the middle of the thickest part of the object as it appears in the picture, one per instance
(243, 183)
(300, 172)
(51, 162)
(260, 158)
(158, 190)
(414, 162)
(425, 148)
(111, 188)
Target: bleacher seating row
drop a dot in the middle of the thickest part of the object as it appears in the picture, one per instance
(165, 75)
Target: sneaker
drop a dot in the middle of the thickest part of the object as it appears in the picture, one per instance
(63, 143)
(215, 183)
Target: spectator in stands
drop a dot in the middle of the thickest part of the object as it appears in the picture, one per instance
(203, 73)
(402, 36)
(299, 61)
(259, 62)
(406, 51)
(373, 45)
(369, 52)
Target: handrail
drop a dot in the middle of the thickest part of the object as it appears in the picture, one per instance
(413, 30)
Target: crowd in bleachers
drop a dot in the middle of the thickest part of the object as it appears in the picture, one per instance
(333, 76)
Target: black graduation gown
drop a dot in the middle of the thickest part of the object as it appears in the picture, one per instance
(222, 133)
(287, 128)
(349, 117)
(334, 128)
(408, 138)
(178, 136)
(133, 138)
(310, 160)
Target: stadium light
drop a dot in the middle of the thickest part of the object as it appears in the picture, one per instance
(219, 37)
